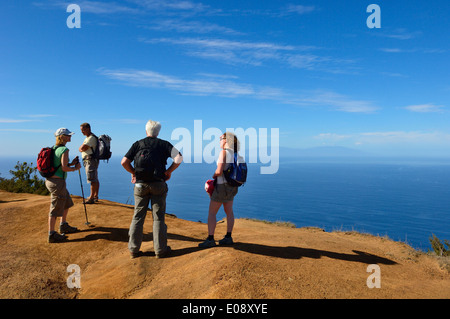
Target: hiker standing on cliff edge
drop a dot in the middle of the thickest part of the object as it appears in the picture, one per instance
(149, 175)
(90, 162)
(223, 193)
(56, 185)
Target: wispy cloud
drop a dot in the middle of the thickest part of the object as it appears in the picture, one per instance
(226, 86)
(395, 50)
(228, 51)
(105, 7)
(26, 118)
(25, 130)
(337, 102)
(172, 4)
(199, 86)
(95, 7)
(387, 137)
(180, 26)
(224, 44)
(178, 7)
(8, 120)
(425, 108)
(298, 9)
(415, 50)
(400, 34)
(237, 52)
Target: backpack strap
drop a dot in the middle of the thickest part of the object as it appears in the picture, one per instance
(54, 148)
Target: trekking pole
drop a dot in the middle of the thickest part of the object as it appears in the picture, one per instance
(84, 203)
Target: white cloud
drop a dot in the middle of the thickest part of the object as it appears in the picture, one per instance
(223, 44)
(337, 101)
(229, 51)
(400, 34)
(104, 7)
(200, 86)
(95, 7)
(174, 6)
(6, 120)
(27, 118)
(257, 53)
(299, 9)
(181, 26)
(25, 130)
(394, 50)
(225, 86)
(388, 137)
(424, 108)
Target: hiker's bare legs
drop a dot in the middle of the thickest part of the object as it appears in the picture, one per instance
(95, 186)
(213, 209)
(228, 207)
(52, 220)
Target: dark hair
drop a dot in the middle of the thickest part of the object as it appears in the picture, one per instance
(86, 125)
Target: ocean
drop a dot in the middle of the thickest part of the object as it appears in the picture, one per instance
(404, 199)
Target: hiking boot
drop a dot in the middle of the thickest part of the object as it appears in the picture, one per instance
(164, 253)
(207, 243)
(136, 254)
(226, 241)
(56, 238)
(67, 229)
(90, 201)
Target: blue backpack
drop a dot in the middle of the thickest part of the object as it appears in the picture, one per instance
(236, 173)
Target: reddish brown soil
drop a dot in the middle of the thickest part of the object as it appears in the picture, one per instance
(267, 261)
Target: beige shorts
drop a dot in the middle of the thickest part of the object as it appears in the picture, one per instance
(224, 193)
(91, 168)
(60, 197)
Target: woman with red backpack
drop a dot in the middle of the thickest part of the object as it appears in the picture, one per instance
(56, 184)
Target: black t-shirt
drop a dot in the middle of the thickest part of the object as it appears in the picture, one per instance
(158, 151)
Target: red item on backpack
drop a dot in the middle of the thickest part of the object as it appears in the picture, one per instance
(209, 186)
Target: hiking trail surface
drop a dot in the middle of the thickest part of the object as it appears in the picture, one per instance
(266, 262)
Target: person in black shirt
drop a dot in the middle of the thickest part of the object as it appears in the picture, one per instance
(149, 176)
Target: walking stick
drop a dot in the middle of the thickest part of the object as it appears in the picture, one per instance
(84, 203)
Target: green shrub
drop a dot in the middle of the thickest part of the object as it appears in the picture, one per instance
(439, 247)
(24, 180)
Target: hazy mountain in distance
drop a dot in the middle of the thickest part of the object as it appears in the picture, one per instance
(321, 151)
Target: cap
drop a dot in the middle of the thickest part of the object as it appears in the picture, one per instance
(63, 131)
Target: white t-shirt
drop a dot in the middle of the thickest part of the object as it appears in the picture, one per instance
(90, 141)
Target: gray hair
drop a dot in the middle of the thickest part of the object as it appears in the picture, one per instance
(152, 128)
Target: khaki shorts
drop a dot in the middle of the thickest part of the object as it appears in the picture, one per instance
(91, 168)
(224, 193)
(60, 197)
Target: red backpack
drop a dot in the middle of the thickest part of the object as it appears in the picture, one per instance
(45, 162)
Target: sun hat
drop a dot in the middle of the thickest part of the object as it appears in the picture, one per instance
(209, 186)
(63, 131)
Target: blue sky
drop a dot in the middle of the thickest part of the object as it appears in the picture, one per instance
(313, 69)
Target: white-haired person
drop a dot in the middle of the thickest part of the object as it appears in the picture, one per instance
(149, 176)
(56, 185)
(223, 193)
